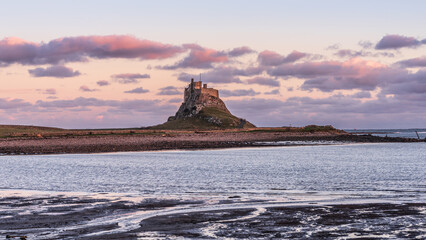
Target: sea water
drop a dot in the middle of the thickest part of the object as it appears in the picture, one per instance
(382, 169)
(404, 133)
(95, 195)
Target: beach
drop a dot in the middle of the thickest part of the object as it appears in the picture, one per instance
(123, 141)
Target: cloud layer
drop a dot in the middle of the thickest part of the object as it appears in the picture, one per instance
(332, 75)
(102, 83)
(79, 49)
(85, 88)
(398, 41)
(414, 62)
(170, 90)
(238, 92)
(49, 91)
(13, 103)
(344, 88)
(267, 81)
(126, 78)
(203, 58)
(270, 58)
(54, 71)
(138, 90)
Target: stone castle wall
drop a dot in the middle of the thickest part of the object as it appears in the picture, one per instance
(200, 89)
(210, 91)
(198, 85)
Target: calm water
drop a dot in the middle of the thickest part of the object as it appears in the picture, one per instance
(405, 133)
(87, 196)
(395, 170)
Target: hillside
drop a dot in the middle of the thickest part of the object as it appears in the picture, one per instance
(12, 130)
(202, 109)
(205, 119)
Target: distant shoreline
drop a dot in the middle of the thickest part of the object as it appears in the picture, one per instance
(154, 141)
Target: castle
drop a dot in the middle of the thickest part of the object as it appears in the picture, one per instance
(202, 108)
(195, 88)
(196, 97)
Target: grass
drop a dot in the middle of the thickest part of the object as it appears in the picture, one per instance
(176, 127)
(34, 131)
(186, 124)
(305, 129)
(316, 128)
(11, 130)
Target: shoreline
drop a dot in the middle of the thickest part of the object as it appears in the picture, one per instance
(173, 141)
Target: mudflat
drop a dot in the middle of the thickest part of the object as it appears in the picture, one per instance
(71, 217)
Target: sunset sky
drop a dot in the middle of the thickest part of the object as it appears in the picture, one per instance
(104, 64)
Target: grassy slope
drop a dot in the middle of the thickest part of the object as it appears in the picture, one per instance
(34, 131)
(228, 121)
(10, 130)
(305, 129)
(174, 127)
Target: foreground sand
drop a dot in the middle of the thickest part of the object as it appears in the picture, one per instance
(148, 141)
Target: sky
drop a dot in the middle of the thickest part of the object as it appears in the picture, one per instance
(118, 64)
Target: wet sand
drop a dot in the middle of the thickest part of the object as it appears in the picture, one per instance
(402, 221)
(71, 217)
(52, 144)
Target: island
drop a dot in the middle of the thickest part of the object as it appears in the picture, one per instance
(202, 122)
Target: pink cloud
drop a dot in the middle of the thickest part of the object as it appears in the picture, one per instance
(406, 85)
(331, 75)
(363, 94)
(138, 90)
(222, 74)
(238, 92)
(102, 83)
(16, 50)
(199, 57)
(339, 110)
(49, 91)
(126, 78)
(54, 71)
(219, 75)
(128, 106)
(170, 90)
(85, 88)
(333, 47)
(175, 100)
(13, 104)
(270, 58)
(356, 73)
(366, 44)
(398, 41)
(414, 62)
(78, 49)
(307, 69)
(267, 81)
(82, 112)
(236, 52)
(273, 92)
(352, 53)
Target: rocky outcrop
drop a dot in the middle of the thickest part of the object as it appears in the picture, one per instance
(197, 102)
(203, 109)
